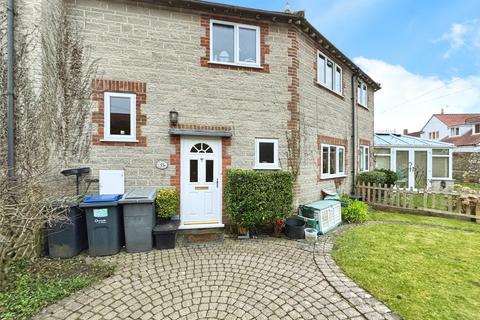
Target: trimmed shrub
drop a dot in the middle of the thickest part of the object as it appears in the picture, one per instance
(390, 176)
(166, 203)
(256, 198)
(355, 212)
(380, 176)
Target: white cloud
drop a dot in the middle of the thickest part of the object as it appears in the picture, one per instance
(407, 100)
(460, 36)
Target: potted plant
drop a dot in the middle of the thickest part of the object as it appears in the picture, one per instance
(278, 226)
(166, 207)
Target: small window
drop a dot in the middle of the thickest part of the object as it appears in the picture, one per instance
(362, 94)
(266, 154)
(233, 43)
(333, 161)
(441, 163)
(120, 117)
(209, 171)
(329, 74)
(364, 158)
(454, 131)
(193, 170)
(382, 158)
(476, 128)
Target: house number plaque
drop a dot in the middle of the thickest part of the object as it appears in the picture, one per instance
(162, 165)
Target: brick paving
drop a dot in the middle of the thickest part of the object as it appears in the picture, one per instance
(265, 278)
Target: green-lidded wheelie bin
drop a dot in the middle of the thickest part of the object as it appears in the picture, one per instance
(104, 224)
(138, 207)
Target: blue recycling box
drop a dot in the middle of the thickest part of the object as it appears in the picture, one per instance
(104, 224)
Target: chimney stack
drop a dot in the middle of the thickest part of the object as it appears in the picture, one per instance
(441, 111)
(287, 8)
(405, 131)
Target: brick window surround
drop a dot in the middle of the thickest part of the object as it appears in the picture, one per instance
(99, 87)
(365, 142)
(333, 141)
(205, 42)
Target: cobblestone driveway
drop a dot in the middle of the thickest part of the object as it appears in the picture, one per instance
(255, 279)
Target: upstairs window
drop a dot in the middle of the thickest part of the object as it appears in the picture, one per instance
(266, 154)
(454, 131)
(476, 128)
(364, 158)
(329, 74)
(362, 94)
(434, 135)
(236, 44)
(333, 161)
(120, 116)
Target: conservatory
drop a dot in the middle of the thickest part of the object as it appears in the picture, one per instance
(419, 163)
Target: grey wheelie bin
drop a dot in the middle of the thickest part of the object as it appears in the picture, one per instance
(139, 218)
(68, 237)
(104, 224)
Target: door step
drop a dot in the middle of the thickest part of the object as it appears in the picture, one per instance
(192, 237)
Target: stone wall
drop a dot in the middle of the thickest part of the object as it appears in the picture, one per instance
(164, 48)
(325, 114)
(466, 166)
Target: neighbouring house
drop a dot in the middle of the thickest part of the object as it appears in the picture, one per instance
(419, 163)
(189, 89)
(462, 130)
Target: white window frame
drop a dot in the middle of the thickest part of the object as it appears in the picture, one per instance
(364, 167)
(236, 44)
(133, 118)
(266, 166)
(323, 82)
(389, 155)
(474, 131)
(360, 94)
(453, 131)
(337, 152)
(449, 157)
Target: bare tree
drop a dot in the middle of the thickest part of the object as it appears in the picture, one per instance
(51, 129)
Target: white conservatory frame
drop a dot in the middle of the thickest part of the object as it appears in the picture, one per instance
(397, 142)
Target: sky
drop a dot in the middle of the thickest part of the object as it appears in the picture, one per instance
(424, 53)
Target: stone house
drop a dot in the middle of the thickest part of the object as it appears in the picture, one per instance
(188, 89)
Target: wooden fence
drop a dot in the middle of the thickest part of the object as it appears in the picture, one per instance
(452, 204)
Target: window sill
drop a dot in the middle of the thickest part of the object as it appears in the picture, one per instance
(362, 106)
(240, 65)
(338, 95)
(330, 177)
(119, 140)
(266, 168)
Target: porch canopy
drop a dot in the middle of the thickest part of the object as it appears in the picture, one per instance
(419, 163)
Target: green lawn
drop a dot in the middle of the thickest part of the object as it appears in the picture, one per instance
(34, 285)
(419, 271)
(453, 223)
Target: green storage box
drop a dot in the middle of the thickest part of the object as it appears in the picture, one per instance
(323, 215)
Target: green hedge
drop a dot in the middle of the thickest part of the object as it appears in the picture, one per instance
(166, 203)
(256, 198)
(379, 176)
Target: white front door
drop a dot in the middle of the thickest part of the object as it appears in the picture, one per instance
(201, 182)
